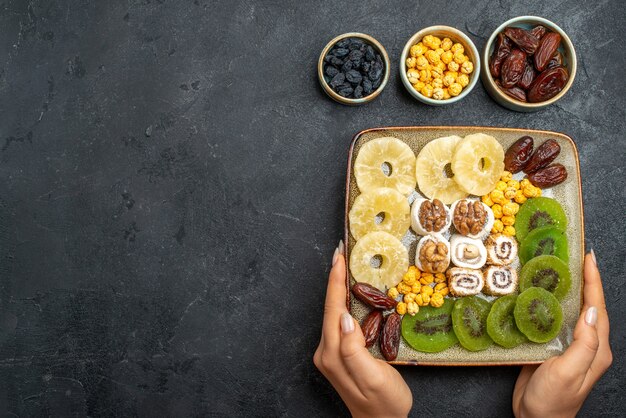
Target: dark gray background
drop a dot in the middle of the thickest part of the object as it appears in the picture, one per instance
(172, 184)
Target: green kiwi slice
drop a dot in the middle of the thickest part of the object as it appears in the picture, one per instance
(430, 330)
(469, 320)
(538, 314)
(539, 212)
(501, 325)
(548, 272)
(544, 241)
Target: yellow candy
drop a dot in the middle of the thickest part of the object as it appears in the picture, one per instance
(426, 290)
(417, 50)
(509, 231)
(436, 300)
(455, 89)
(498, 226)
(508, 220)
(393, 293)
(446, 44)
(497, 196)
(432, 57)
(463, 80)
(513, 183)
(501, 186)
(506, 176)
(427, 90)
(416, 288)
(519, 197)
(440, 278)
(447, 57)
(509, 192)
(486, 199)
(453, 66)
(510, 209)
(457, 48)
(409, 297)
(401, 308)
(497, 210)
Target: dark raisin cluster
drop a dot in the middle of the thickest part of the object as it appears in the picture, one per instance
(353, 68)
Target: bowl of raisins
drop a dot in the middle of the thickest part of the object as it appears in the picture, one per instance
(529, 63)
(353, 68)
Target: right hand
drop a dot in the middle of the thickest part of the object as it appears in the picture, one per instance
(559, 386)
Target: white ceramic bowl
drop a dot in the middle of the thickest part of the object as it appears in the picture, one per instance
(456, 36)
(566, 49)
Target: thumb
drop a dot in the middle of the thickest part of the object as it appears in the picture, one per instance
(577, 359)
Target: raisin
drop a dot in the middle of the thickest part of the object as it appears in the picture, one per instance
(345, 91)
(338, 79)
(376, 70)
(390, 337)
(365, 67)
(340, 52)
(543, 156)
(367, 86)
(518, 154)
(354, 77)
(347, 66)
(343, 43)
(547, 47)
(337, 62)
(355, 55)
(548, 84)
(523, 39)
(501, 50)
(358, 92)
(331, 71)
(355, 44)
(513, 68)
(549, 176)
(369, 53)
(377, 83)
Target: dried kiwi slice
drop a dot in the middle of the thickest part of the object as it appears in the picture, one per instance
(538, 314)
(548, 272)
(544, 241)
(430, 330)
(539, 212)
(501, 325)
(469, 320)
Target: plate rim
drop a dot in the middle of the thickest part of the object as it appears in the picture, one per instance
(526, 131)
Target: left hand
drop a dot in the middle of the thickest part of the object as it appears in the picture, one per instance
(369, 387)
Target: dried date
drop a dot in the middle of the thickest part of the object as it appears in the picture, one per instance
(518, 154)
(513, 68)
(372, 297)
(371, 327)
(546, 49)
(543, 156)
(390, 337)
(515, 92)
(538, 31)
(547, 84)
(557, 60)
(523, 39)
(549, 176)
(527, 77)
(501, 50)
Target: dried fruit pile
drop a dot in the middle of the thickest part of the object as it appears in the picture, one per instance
(438, 68)
(353, 68)
(437, 302)
(526, 65)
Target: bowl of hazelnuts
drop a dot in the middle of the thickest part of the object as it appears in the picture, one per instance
(529, 63)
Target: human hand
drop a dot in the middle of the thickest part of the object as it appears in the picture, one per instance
(369, 387)
(559, 386)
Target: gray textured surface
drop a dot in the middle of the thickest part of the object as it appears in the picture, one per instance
(172, 191)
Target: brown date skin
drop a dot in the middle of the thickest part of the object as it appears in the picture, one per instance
(371, 327)
(557, 59)
(527, 77)
(538, 31)
(390, 337)
(546, 49)
(513, 68)
(543, 156)
(549, 176)
(501, 49)
(523, 39)
(516, 93)
(547, 84)
(372, 297)
(518, 154)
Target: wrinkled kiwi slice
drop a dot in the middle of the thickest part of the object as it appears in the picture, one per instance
(548, 272)
(469, 320)
(544, 241)
(430, 330)
(501, 325)
(539, 212)
(538, 314)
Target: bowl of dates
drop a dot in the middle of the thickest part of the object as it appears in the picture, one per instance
(528, 64)
(353, 68)
(439, 65)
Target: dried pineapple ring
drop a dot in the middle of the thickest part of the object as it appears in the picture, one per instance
(478, 163)
(373, 155)
(394, 206)
(430, 170)
(394, 256)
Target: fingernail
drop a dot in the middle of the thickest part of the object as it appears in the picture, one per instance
(591, 316)
(335, 255)
(347, 323)
(341, 248)
(593, 257)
